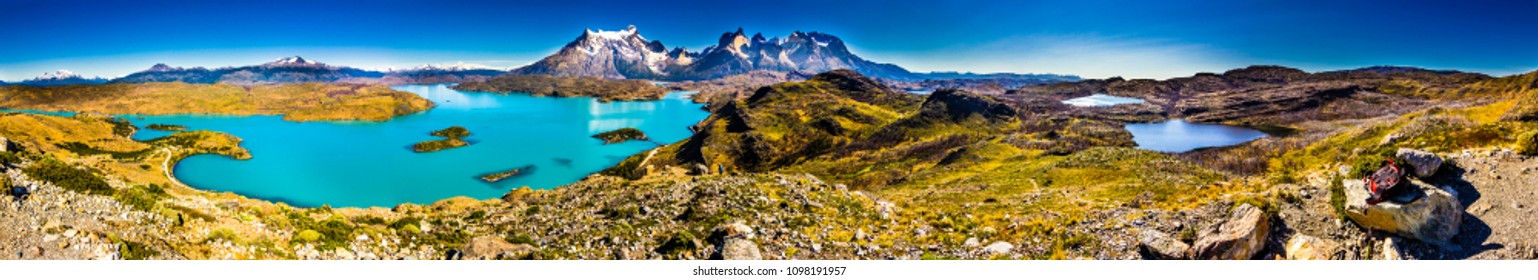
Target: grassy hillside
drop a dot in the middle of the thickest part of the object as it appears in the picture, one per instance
(569, 86)
(296, 102)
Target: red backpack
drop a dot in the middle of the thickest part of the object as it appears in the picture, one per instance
(1387, 177)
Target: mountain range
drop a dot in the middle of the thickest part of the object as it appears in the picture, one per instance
(623, 54)
(61, 77)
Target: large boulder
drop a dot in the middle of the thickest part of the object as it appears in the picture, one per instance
(492, 248)
(1419, 211)
(1238, 238)
(735, 242)
(1304, 247)
(1157, 245)
(1423, 163)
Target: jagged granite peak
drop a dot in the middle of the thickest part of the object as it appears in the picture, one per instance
(626, 54)
(607, 54)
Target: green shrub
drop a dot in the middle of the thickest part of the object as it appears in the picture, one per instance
(520, 239)
(1338, 196)
(9, 158)
(307, 236)
(222, 234)
(401, 223)
(411, 229)
(130, 250)
(136, 198)
(80, 180)
(1527, 143)
(369, 220)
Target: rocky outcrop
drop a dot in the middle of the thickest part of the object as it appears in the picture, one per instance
(1157, 245)
(1419, 211)
(735, 242)
(1238, 238)
(1423, 163)
(492, 248)
(957, 105)
(1304, 247)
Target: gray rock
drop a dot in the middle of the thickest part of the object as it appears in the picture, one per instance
(999, 247)
(1432, 216)
(736, 242)
(1237, 238)
(740, 249)
(971, 242)
(1157, 245)
(5, 144)
(1424, 164)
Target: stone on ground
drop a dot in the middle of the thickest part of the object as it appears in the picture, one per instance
(1423, 163)
(1238, 238)
(1304, 247)
(1157, 245)
(736, 242)
(1432, 215)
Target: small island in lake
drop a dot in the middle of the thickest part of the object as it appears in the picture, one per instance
(453, 135)
(165, 127)
(621, 135)
(499, 176)
(452, 132)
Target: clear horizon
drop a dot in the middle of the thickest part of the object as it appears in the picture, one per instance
(1092, 39)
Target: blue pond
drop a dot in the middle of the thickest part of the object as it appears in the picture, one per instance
(1101, 100)
(1181, 136)
(371, 164)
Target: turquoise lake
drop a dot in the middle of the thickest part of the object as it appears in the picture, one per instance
(362, 164)
(1181, 136)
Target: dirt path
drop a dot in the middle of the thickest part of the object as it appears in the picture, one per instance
(1498, 189)
(166, 166)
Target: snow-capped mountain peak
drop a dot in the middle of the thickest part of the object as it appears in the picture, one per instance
(58, 75)
(61, 77)
(612, 35)
(293, 60)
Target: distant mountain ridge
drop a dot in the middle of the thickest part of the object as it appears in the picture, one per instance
(953, 75)
(284, 70)
(297, 69)
(625, 54)
(60, 77)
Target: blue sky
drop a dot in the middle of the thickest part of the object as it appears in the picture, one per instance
(1142, 39)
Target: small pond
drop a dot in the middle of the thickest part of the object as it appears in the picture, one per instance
(1101, 100)
(1180, 136)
